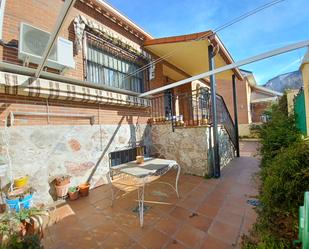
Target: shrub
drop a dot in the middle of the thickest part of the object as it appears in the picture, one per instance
(278, 133)
(284, 179)
(287, 178)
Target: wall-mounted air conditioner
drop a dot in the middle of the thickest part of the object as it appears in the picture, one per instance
(32, 43)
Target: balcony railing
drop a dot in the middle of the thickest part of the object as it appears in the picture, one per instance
(191, 109)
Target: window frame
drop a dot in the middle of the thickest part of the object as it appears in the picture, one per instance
(117, 63)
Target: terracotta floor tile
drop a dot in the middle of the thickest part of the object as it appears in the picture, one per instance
(136, 246)
(215, 200)
(247, 225)
(190, 236)
(250, 213)
(224, 232)
(192, 179)
(154, 239)
(180, 213)
(213, 243)
(78, 204)
(208, 210)
(168, 225)
(117, 239)
(163, 207)
(101, 232)
(234, 208)
(174, 244)
(86, 211)
(93, 219)
(229, 218)
(63, 211)
(207, 214)
(190, 202)
(200, 222)
(199, 193)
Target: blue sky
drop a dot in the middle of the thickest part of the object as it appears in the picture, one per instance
(279, 25)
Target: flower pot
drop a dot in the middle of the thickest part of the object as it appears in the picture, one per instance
(2, 209)
(139, 159)
(3, 169)
(21, 181)
(204, 121)
(62, 190)
(84, 189)
(74, 195)
(62, 181)
(17, 204)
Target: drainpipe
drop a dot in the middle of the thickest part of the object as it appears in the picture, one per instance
(235, 114)
(216, 159)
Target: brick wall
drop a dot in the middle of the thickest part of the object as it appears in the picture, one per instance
(258, 109)
(43, 15)
(225, 89)
(104, 114)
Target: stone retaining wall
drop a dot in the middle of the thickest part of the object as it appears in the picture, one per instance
(190, 147)
(43, 152)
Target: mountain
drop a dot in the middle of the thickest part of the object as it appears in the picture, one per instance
(292, 80)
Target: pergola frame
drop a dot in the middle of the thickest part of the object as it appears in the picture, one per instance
(211, 74)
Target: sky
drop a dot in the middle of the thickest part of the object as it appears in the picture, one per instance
(280, 25)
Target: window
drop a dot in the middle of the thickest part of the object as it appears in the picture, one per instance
(107, 69)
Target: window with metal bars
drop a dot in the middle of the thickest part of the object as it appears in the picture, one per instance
(109, 69)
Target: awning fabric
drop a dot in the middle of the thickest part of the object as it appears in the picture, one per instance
(21, 85)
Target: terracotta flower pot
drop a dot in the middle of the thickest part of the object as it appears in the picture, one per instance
(84, 189)
(62, 190)
(74, 195)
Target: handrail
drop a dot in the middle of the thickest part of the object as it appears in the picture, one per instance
(230, 131)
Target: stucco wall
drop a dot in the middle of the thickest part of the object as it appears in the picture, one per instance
(189, 147)
(46, 151)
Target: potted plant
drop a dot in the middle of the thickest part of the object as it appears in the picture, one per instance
(62, 185)
(29, 224)
(20, 198)
(73, 193)
(204, 121)
(84, 189)
(21, 182)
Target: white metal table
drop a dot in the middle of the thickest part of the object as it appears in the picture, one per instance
(143, 172)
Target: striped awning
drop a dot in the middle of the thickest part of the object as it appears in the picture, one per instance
(22, 85)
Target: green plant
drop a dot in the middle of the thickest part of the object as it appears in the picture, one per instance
(278, 133)
(284, 178)
(26, 242)
(73, 189)
(267, 242)
(26, 214)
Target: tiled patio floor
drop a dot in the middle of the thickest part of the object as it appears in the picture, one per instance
(209, 214)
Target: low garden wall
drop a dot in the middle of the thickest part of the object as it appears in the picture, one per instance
(43, 152)
(189, 146)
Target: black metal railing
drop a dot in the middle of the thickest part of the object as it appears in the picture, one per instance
(225, 119)
(189, 109)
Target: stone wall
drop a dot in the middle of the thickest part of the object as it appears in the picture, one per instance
(190, 147)
(80, 151)
(226, 148)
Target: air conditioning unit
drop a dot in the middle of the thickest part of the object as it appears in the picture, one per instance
(32, 44)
